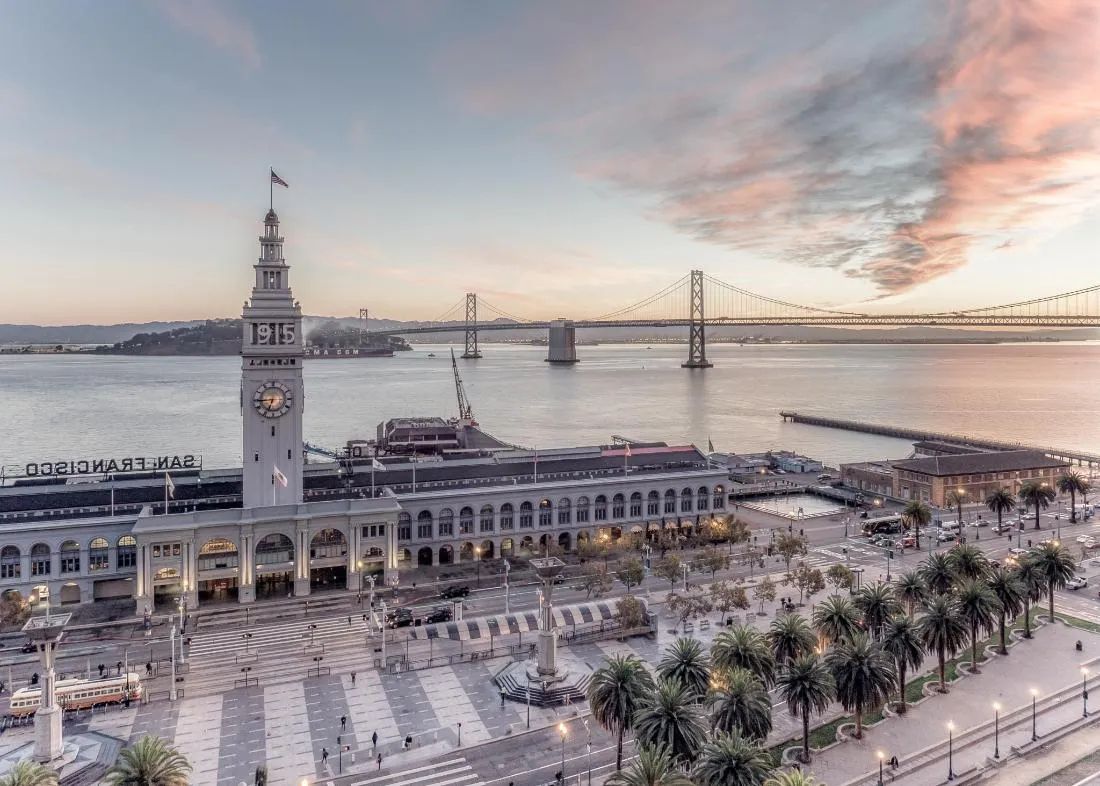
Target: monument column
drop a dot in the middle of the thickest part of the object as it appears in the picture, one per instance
(246, 590)
(45, 632)
(301, 576)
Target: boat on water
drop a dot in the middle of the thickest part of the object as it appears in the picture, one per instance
(431, 354)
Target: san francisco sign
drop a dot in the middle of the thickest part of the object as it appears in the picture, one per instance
(46, 469)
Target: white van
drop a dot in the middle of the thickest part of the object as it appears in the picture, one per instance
(951, 527)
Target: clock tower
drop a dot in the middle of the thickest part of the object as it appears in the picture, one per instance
(272, 394)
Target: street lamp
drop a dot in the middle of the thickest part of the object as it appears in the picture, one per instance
(589, 730)
(1084, 692)
(528, 701)
(950, 751)
(881, 756)
(477, 559)
(561, 731)
(996, 730)
(246, 637)
(1034, 696)
(507, 604)
(685, 568)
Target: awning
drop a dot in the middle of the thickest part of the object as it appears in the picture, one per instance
(671, 525)
(654, 526)
(503, 624)
(636, 529)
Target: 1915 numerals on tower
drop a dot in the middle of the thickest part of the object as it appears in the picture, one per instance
(273, 333)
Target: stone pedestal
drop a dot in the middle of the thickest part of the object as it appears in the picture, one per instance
(301, 588)
(45, 632)
(47, 733)
(547, 569)
(246, 594)
(547, 653)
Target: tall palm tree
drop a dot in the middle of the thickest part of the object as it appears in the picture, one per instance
(878, 603)
(1035, 586)
(791, 778)
(1000, 502)
(29, 773)
(807, 687)
(902, 642)
(614, 693)
(688, 663)
(967, 562)
(151, 761)
(1037, 494)
(1010, 593)
(836, 619)
(739, 702)
(790, 636)
(653, 766)
(943, 631)
(1073, 483)
(955, 499)
(863, 674)
(1056, 565)
(911, 590)
(746, 648)
(937, 573)
(917, 514)
(669, 716)
(978, 606)
(731, 760)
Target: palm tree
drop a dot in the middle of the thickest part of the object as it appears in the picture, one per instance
(1073, 483)
(1055, 564)
(29, 773)
(614, 693)
(917, 514)
(1038, 494)
(669, 716)
(942, 630)
(746, 648)
(739, 702)
(955, 498)
(687, 663)
(1010, 593)
(978, 606)
(1035, 586)
(911, 590)
(863, 674)
(790, 636)
(967, 562)
(653, 766)
(902, 642)
(878, 604)
(151, 761)
(731, 760)
(836, 619)
(791, 778)
(807, 686)
(1000, 502)
(937, 573)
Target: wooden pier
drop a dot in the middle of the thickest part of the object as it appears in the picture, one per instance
(1081, 457)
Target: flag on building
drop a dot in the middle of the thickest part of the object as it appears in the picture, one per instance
(376, 464)
(169, 486)
(280, 478)
(628, 451)
(278, 180)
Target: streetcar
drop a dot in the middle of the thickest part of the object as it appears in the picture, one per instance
(78, 694)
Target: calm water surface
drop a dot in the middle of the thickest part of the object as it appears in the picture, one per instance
(84, 406)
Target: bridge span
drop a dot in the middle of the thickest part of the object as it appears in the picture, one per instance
(698, 301)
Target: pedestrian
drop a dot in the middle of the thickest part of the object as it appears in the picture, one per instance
(102, 667)
(349, 621)
(343, 722)
(374, 740)
(119, 666)
(324, 756)
(379, 761)
(893, 762)
(353, 679)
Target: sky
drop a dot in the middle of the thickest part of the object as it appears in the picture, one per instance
(559, 158)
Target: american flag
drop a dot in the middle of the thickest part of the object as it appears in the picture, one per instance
(278, 180)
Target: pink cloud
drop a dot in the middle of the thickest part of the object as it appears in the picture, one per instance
(211, 22)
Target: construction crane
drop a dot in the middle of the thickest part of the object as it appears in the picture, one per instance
(465, 411)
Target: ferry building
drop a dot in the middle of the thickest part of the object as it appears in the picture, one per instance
(279, 527)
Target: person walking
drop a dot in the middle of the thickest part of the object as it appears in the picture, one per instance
(353, 679)
(374, 741)
(379, 761)
(343, 723)
(324, 756)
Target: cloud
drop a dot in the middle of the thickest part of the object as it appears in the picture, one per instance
(211, 22)
(883, 141)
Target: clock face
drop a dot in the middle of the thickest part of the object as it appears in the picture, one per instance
(272, 399)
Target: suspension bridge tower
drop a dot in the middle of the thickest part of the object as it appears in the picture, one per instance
(697, 335)
(471, 327)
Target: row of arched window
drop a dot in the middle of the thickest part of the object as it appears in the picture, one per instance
(41, 557)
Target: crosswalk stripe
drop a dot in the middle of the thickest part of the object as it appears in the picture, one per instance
(461, 772)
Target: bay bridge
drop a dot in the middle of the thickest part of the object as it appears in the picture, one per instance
(698, 301)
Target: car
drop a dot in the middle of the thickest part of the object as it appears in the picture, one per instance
(1076, 582)
(1000, 529)
(1089, 543)
(439, 614)
(1083, 539)
(1015, 552)
(28, 647)
(399, 618)
(454, 592)
(947, 537)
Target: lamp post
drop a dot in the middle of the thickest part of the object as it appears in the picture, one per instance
(1084, 692)
(562, 732)
(370, 585)
(507, 604)
(647, 550)
(477, 559)
(685, 568)
(589, 746)
(528, 701)
(881, 756)
(950, 751)
(172, 693)
(246, 637)
(181, 604)
(1034, 728)
(996, 730)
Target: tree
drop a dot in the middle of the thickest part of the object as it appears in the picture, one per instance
(631, 573)
(807, 687)
(13, 609)
(1000, 501)
(788, 546)
(687, 663)
(809, 581)
(790, 636)
(967, 562)
(1011, 594)
(731, 760)
(839, 577)
(614, 694)
(653, 766)
(937, 573)
(669, 716)
(668, 569)
(1073, 483)
(713, 560)
(836, 619)
(744, 647)
(1037, 494)
(911, 590)
(1055, 564)
(151, 761)
(29, 773)
(791, 778)
(955, 499)
(1035, 586)
(690, 604)
(878, 604)
(943, 631)
(764, 591)
(740, 703)
(632, 612)
(902, 642)
(728, 597)
(594, 581)
(863, 674)
(978, 607)
(917, 514)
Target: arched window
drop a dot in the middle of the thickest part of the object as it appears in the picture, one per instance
(328, 543)
(719, 497)
(41, 561)
(617, 506)
(546, 513)
(274, 549)
(98, 554)
(424, 525)
(565, 511)
(635, 505)
(446, 522)
(70, 557)
(9, 562)
(670, 501)
(685, 500)
(601, 508)
(582, 510)
(126, 553)
(485, 519)
(525, 515)
(466, 521)
(653, 504)
(507, 516)
(404, 526)
(702, 501)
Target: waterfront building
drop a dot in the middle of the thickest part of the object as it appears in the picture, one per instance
(976, 475)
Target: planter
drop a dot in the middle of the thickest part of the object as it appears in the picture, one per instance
(792, 756)
(847, 731)
(932, 688)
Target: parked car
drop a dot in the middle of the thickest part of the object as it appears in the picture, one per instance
(1076, 582)
(399, 618)
(909, 542)
(1001, 529)
(28, 647)
(946, 536)
(1083, 539)
(455, 592)
(439, 614)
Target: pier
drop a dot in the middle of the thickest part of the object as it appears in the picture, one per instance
(1081, 457)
